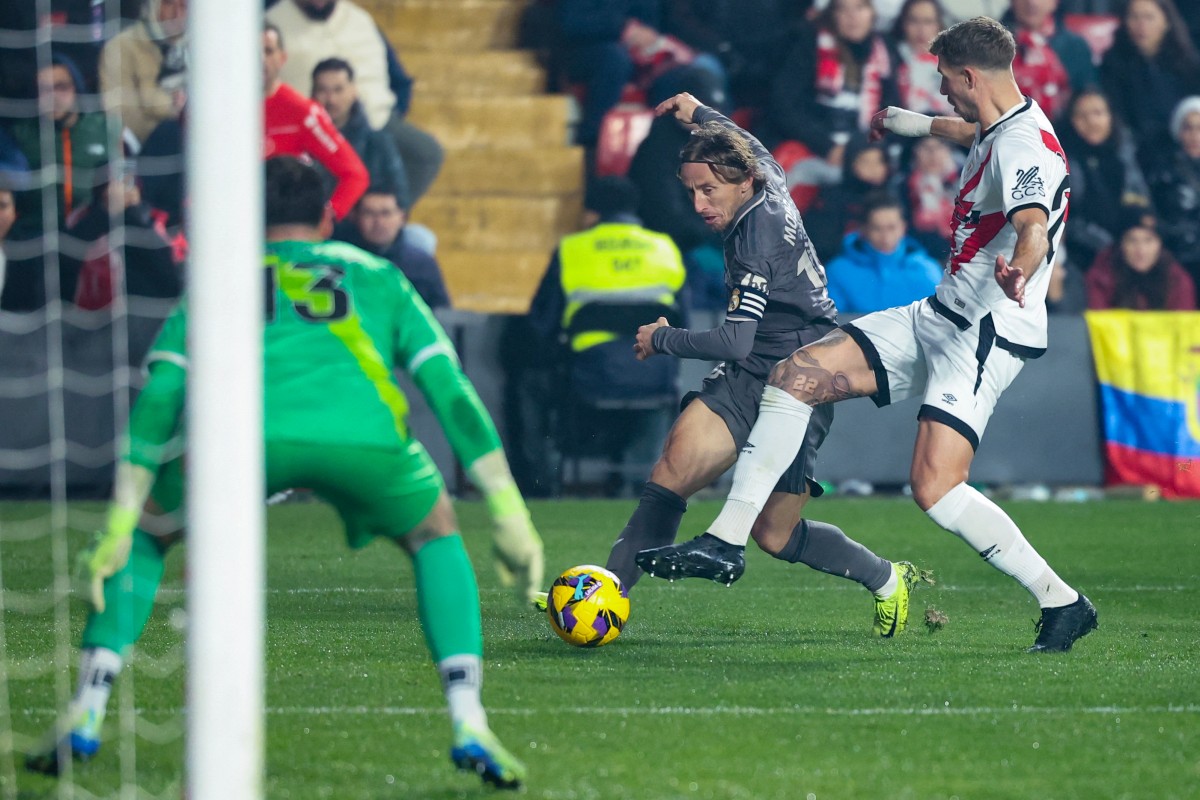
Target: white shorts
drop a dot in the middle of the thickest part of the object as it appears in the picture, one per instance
(921, 349)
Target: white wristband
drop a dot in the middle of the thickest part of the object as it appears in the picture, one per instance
(906, 123)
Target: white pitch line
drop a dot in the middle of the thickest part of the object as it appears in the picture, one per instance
(697, 711)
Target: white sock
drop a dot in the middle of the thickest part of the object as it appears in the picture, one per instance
(770, 449)
(462, 681)
(985, 527)
(893, 582)
(98, 668)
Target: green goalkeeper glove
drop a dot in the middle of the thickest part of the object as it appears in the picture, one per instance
(109, 553)
(520, 562)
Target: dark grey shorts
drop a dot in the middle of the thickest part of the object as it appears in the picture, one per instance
(733, 394)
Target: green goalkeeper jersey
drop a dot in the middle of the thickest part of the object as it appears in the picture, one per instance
(338, 322)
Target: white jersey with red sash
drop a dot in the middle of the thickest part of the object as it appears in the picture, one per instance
(1015, 164)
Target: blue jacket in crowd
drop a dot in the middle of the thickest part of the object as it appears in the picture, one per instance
(862, 279)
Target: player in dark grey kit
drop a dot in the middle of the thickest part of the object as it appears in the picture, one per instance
(777, 303)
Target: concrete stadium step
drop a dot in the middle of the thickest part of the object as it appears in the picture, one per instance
(463, 222)
(461, 123)
(527, 172)
(493, 282)
(449, 27)
(490, 73)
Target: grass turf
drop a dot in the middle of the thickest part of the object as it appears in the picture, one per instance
(773, 688)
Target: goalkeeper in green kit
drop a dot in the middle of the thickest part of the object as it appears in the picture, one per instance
(338, 321)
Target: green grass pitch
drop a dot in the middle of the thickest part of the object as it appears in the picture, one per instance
(773, 688)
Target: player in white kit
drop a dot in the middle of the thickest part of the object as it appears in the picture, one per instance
(958, 350)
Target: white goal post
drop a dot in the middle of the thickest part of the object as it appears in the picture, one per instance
(226, 519)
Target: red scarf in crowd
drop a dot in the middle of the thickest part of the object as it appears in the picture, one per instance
(1039, 71)
(831, 76)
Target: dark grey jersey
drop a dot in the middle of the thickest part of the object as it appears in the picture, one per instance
(771, 269)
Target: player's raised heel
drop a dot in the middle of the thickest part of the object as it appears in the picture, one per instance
(1058, 628)
(478, 750)
(705, 556)
(540, 601)
(891, 612)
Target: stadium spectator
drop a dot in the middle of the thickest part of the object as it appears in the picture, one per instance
(1151, 66)
(294, 125)
(339, 429)
(1137, 272)
(81, 150)
(420, 153)
(665, 206)
(777, 299)
(379, 225)
(138, 262)
(80, 138)
(1175, 187)
(143, 69)
(319, 29)
(838, 209)
(916, 68)
(1105, 175)
(1052, 62)
(161, 169)
(836, 76)
(1067, 292)
(958, 350)
(614, 260)
(880, 265)
(929, 180)
(333, 86)
(748, 37)
(594, 55)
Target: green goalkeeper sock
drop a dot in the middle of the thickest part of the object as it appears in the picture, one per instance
(128, 598)
(448, 598)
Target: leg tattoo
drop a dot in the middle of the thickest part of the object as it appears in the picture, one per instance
(802, 376)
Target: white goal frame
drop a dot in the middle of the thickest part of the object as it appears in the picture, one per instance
(226, 518)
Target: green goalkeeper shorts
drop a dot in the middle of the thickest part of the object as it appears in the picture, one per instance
(377, 491)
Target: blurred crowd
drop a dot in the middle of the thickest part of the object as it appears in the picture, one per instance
(93, 205)
(106, 109)
(1119, 78)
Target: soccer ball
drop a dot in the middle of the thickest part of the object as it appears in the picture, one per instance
(587, 606)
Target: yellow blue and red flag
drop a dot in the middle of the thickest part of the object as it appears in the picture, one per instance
(1148, 366)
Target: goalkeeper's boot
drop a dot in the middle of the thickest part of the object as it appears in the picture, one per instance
(1058, 628)
(705, 556)
(81, 743)
(476, 749)
(891, 612)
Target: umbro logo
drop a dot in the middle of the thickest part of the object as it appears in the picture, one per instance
(992, 551)
(949, 399)
(748, 448)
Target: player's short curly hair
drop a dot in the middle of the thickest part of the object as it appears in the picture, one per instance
(980, 42)
(725, 151)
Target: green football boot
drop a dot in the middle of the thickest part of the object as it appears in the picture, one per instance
(891, 612)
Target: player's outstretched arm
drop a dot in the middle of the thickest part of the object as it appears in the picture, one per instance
(909, 123)
(473, 438)
(153, 424)
(1028, 254)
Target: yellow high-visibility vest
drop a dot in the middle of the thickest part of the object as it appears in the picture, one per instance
(617, 263)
